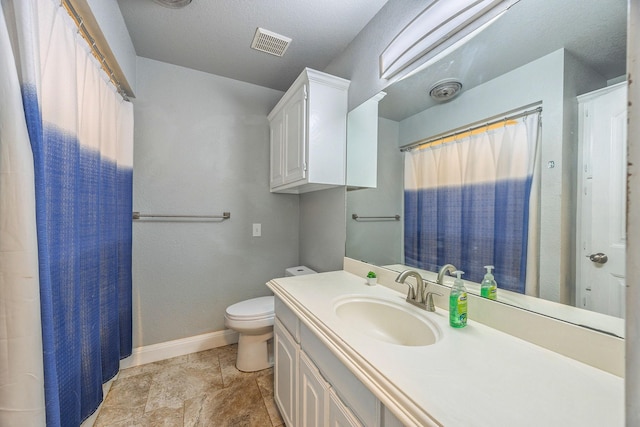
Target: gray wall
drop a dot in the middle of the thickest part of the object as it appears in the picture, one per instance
(109, 18)
(322, 229)
(202, 147)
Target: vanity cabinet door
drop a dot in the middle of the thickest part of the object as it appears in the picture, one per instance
(286, 374)
(340, 415)
(313, 396)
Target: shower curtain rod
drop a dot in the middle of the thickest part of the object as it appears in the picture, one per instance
(95, 50)
(468, 129)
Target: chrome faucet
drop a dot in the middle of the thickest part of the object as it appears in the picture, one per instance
(417, 296)
(447, 268)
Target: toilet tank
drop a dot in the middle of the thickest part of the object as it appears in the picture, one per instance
(300, 270)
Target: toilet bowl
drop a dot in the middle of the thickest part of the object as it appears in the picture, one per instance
(253, 320)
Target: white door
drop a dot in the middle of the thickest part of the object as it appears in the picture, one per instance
(601, 254)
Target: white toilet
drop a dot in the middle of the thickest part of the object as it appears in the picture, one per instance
(253, 320)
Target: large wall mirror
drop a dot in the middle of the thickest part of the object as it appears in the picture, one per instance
(553, 55)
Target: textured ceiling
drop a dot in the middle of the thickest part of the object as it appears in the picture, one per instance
(215, 35)
(593, 31)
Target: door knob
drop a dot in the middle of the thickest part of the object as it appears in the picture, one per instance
(598, 258)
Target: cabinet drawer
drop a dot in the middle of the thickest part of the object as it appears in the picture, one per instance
(288, 319)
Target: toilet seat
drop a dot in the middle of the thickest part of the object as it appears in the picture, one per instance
(261, 308)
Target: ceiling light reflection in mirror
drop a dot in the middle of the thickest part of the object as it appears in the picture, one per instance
(441, 25)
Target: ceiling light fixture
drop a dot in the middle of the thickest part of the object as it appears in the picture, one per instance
(441, 24)
(444, 90)
(173, 4)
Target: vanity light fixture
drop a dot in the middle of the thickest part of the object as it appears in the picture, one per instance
(440, 25)
(173, 4)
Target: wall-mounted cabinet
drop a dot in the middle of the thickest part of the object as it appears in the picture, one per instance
(308, 134)
(362, 144)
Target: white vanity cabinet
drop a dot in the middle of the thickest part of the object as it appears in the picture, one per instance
(308, 133)
(312, 388)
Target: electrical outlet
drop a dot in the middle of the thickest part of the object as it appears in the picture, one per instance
(257, 230)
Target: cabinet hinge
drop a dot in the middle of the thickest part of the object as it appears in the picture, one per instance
(304, 166)
(304, 91)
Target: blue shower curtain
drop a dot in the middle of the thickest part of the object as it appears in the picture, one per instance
(81, 137)
(469, 202)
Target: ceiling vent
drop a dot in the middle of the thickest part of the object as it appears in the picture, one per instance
(444, 90)
(270, 42)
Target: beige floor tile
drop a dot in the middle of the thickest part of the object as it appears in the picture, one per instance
(199, 389)
(152, 367)
(164, 417)
(117, 415)
(265, 384)
(129, 392)
(239, 405)
(175, 384)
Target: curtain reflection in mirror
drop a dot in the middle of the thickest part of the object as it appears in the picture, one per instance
(469, 201)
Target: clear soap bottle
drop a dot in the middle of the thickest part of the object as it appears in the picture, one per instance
(458, 302)
(489, 287)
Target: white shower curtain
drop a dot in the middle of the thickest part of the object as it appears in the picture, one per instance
(473, 202)
(21, 368)
(66, 156)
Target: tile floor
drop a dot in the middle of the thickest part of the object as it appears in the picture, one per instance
(199, 389)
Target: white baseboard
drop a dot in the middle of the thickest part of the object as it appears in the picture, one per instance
(180, 347)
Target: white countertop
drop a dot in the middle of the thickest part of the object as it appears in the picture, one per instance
(577, 316)
(475, 376)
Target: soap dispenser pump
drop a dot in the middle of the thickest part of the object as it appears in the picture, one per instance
(489, 287)
(458, 302)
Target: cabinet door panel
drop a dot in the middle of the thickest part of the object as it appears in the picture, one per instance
(313, 394)
(286, 370)
(340, 415)
(295, 136)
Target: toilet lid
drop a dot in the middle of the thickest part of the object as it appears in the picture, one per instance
(256, 308)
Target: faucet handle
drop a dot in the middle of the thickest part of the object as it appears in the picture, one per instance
(411, 294)
(429, 301)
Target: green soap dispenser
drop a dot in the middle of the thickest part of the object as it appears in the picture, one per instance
(489, 287)
(458, 302)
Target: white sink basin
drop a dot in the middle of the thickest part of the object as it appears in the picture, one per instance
(387, 321)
